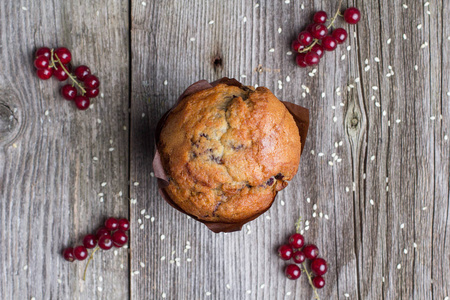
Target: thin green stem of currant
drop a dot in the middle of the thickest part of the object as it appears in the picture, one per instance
(83, 91)
(298, 225)
(89, 260)
(315, 41)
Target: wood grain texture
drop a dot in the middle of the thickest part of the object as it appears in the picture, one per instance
(49, 181)
(373, 182)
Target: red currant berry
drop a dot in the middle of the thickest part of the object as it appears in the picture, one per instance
(329, 43)
(311, 58)
(101, 231)
(45, 74)
(91, 82)
(43, 51)
(318, 282)
(124, 225)
(82, 102)
(300, 60)
(111, 224)
(68, 254)
(105, 242)
(91, 93)
(60, 74)
(352, 15)
(319, 266)
(64, 55)
(285, 252)
(319, 31)
(318, 49)
(296, 240)
(80, 252)
(311, 251)
(120, 238)
(305, 38)
(41, 62)
(320, 17)
(340, 34)
(292, 272)
(296, 46)
(90, 241)
(68, 92)
(298, 257)
(309, 27)
(81, 72)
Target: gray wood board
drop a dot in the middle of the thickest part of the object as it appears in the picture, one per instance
(49, 180)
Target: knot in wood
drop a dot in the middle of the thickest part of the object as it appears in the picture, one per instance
(354, 122)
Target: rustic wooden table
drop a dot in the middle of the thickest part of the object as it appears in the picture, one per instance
(373, 181)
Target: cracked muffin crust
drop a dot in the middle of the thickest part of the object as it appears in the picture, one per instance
(227, 151)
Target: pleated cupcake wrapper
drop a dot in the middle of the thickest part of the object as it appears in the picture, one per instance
(299, 113)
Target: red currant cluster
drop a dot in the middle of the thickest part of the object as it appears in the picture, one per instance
(112, 234)
(299, 252)
(315, 40)
(49, 62)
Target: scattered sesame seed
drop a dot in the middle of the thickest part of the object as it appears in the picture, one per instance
(432, 118)
(424, 45)
(426, 4)
(367, 68)
(405, 251)
(330, 163)
(188, 259)
(388, 41)
(288, 79)
(357, 79)
(382, 279)
(343, 57)
(24, 8)
(371, 202)
(405, 6)
(302, 6)
(414, 245)
(244, 19)
(346, 295)
(398, 121)
(100, 278)
(163, 237)
(147, 216)
(289, 53)
(99, 121)
(313, 215)
(377, 104)
(208, 293)
(402, 225)
(136, 183)
(211, 22)
(282, 203)
(404, 36)
(243, 76)
(256, 5)
(25, 267)
(279, 30)
(424, 208)
(416, 67)
(262, 285)
(287, 1)
(144, 4)
(326, 216)
(136, 272)
(100, 289)
(268, 217)
(347, 189)
(376, 59)
(163, 258)
(141, 227)
(314, 208)
(399, 266)
(419, 26)
(271, 50)
(323, 94)
(375, 88)
(384, 113)
(103, 184)
(152, 219)
(163, 295)
(445, 137)
(192, 39)
(111, 149)
(288, 293)
(349, 48)
(59, 281)
(120, 194)
(308, 200)
(320, 154)
(142, 212)
(249, 292)
(334, 119)
(372, 157)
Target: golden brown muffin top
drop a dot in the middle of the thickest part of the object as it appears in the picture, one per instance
(227, 150)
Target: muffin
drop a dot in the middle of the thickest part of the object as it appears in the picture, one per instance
(226, 151)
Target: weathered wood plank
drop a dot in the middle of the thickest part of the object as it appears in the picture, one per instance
(48, 179)
(162, 50)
